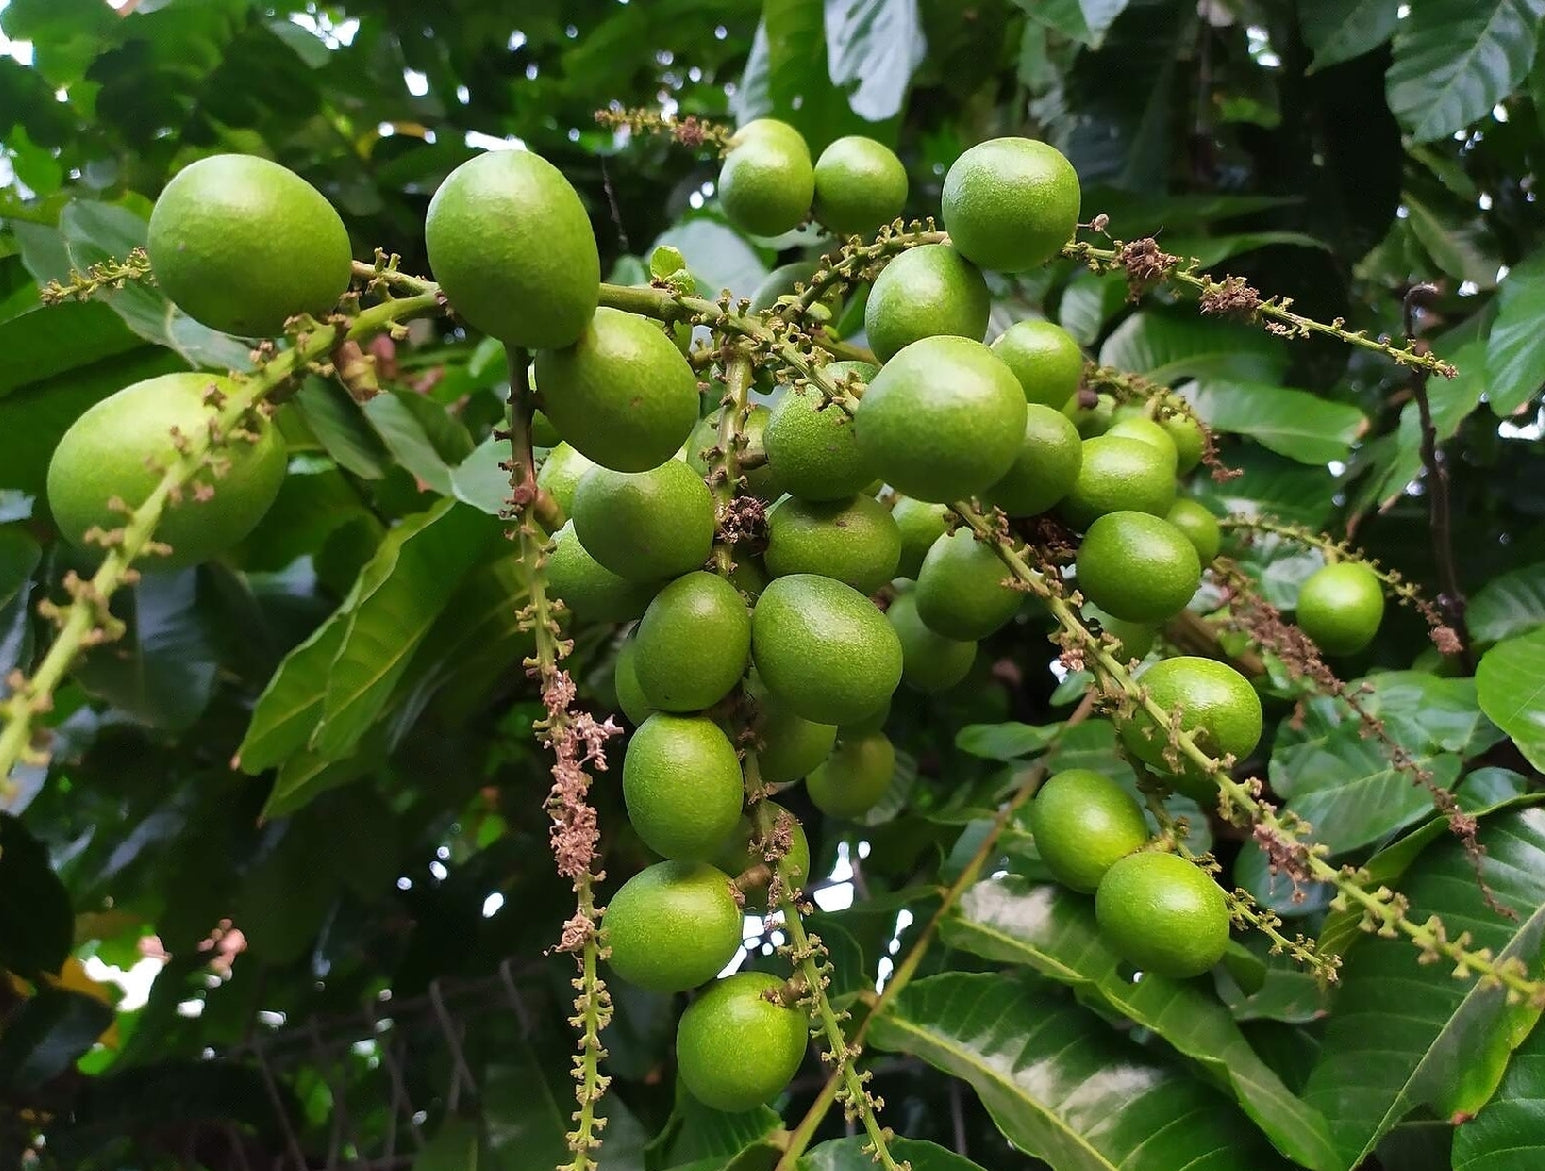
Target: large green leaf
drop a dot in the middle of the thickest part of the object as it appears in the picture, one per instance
(37, 926)
(1053, 931)
(1398, 1037)
(1294, 423)
(1168, 347)
(1515, 348)
(1512, 603)
(19, 556)
(1456, 59)
(1271, 484)
(847, 1154)
(1338, 30)
(1510, 683)
(872, 49)
(787, 76)
(47, 1034)
(1008, 741)
(1086, 21)
(1509, 1132)
(1061, 1085)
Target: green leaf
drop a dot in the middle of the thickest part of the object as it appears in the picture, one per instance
(1053, 931)
(872, 49)
(1429, 712)
(50, 340)
(1167, 348)
(456, 1146)
(1061, 1085)
(291, 705)
(48, 1034)
(1210, 250)
(19, 556)
(1515, 347)
(415, 429)
(1004, 741)
(524, 1125)
(340, 428)
(847, 1154)
(1338, 30)
(1085, 21)
(1273, 485)
(1397, 1038)
(1295, 423)
(1460, 245)
(1510, 683)
(479, 480)
(721, 259)
(37, 925)
(1512, 603)
(1456, 59)
(1509, 1132)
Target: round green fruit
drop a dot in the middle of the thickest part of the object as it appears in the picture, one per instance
(1186, 434)
(1046, 467)
(929, 661)
(738, 854)
(921, 524)
(645, 526)
(824, 649)
(1083, 823)
(622, 393)
(761, 481)
(855, 541)
(1045, 359)
(630, 697)
(240, 244)
(1138, 567)
(1133, 639)
(960, 590)
(766, 183)
(788, 746)
(511, 245)
(560, 474)
(854, 777)
(592, 592)
(736, 1049)
(929, 291)
(682, 784)
(693, 644)
(812, 446)
(1145, 430)
(1216, 704)
(543, 433)
(1163, 915)
(1340, 607)
(673, 926)
(1120, 475)
(1200, 526)
(859, 185)
(1091, 420)
(1011, 203)
(117, 449)
(943, 419)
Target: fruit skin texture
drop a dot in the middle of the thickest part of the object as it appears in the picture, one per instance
(929, 291)
(592, 592)
(855, 541)
(672, 926)
(240, 243)
(854, 777)
(1340, 607)
(1162, 914)
(625, 682)
(1011, 203)
(1216, 703)
(1120, 474)
(1140, 568)
(812, 448)
(735, 1049)
(560, 474)
(942, 420)
(767, 183)
(682, 784)
(1145, 430)
(921, 524)
(622, 394)
(761, 481)
(1046, 467)
(511, 245)
(789, 745)
(103, 455)
(929, 661)
(1083, 823)
(960, 590)
(645, 526)
(1045, 359)
(693, 644)
(823, 648)
(859, 185)
(1136, 639)
(1200, 526)
(736, 856)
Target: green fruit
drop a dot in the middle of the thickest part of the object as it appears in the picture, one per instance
(1138, 567)
(1045, 359)
(942, 420)
(788, 746)
(1011, 203)
(1145, 430)
(854, 777)
(693, 644)
(824, 649)
(1340, 607)
(682, 784)
(592, 592)
(772, 129)
(630, 697)
(782, 281)
(240, 244)
(1093, 420)
(1200, 526)
(1046, 467)
(543, 433)
(929, 661)
(760, 481)
(560, 475)
(737, 855)
(766, 183)
(735, 1048)
(926, 292)
(854, 541)
(1163, 915)
(960, 590)
(118, 448)
(1083, 823)
(1215, 702)
(673, 926)
(859, 185)
(867, 725)
(1120, 475)
(812, 446)
(510, 243)
(645, 526)
(622, 394)
(921, 524)
(1134, 639)
(1190, 444)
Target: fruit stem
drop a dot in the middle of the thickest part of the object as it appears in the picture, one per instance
(86, 621)
(724, 462)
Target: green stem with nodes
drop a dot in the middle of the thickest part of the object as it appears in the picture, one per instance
(104, 275)
(734, 410)
(855, 263)
(86, 620)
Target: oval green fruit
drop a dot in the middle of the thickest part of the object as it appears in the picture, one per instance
(1045, 359)
(929, 291)
(682, 784)
(788, 746)
(824, 649)
(1134, 639)
(240, 244)
(745, 850)
(630, 697)
(855, 541)
(693, 644)
(921, 524)
(766, 184)
(812, 446)
(1120, 475)
(736, 1048)
(590, 591)
(1145, 430)
(1011, 203)
(511, 245)
(1200, 526)
(943, 419)
(929, 661)
(1094, 419)
(961, 591)
(1083, 823)
(622, 393)
(1046, 467)
(859, 185)
(1216, 704)
(1341, 607)
(672, 926)
(1138, 567)
(854, 777)
(1163, 915)
(117, 448)
(645, 526)
(560, 474)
